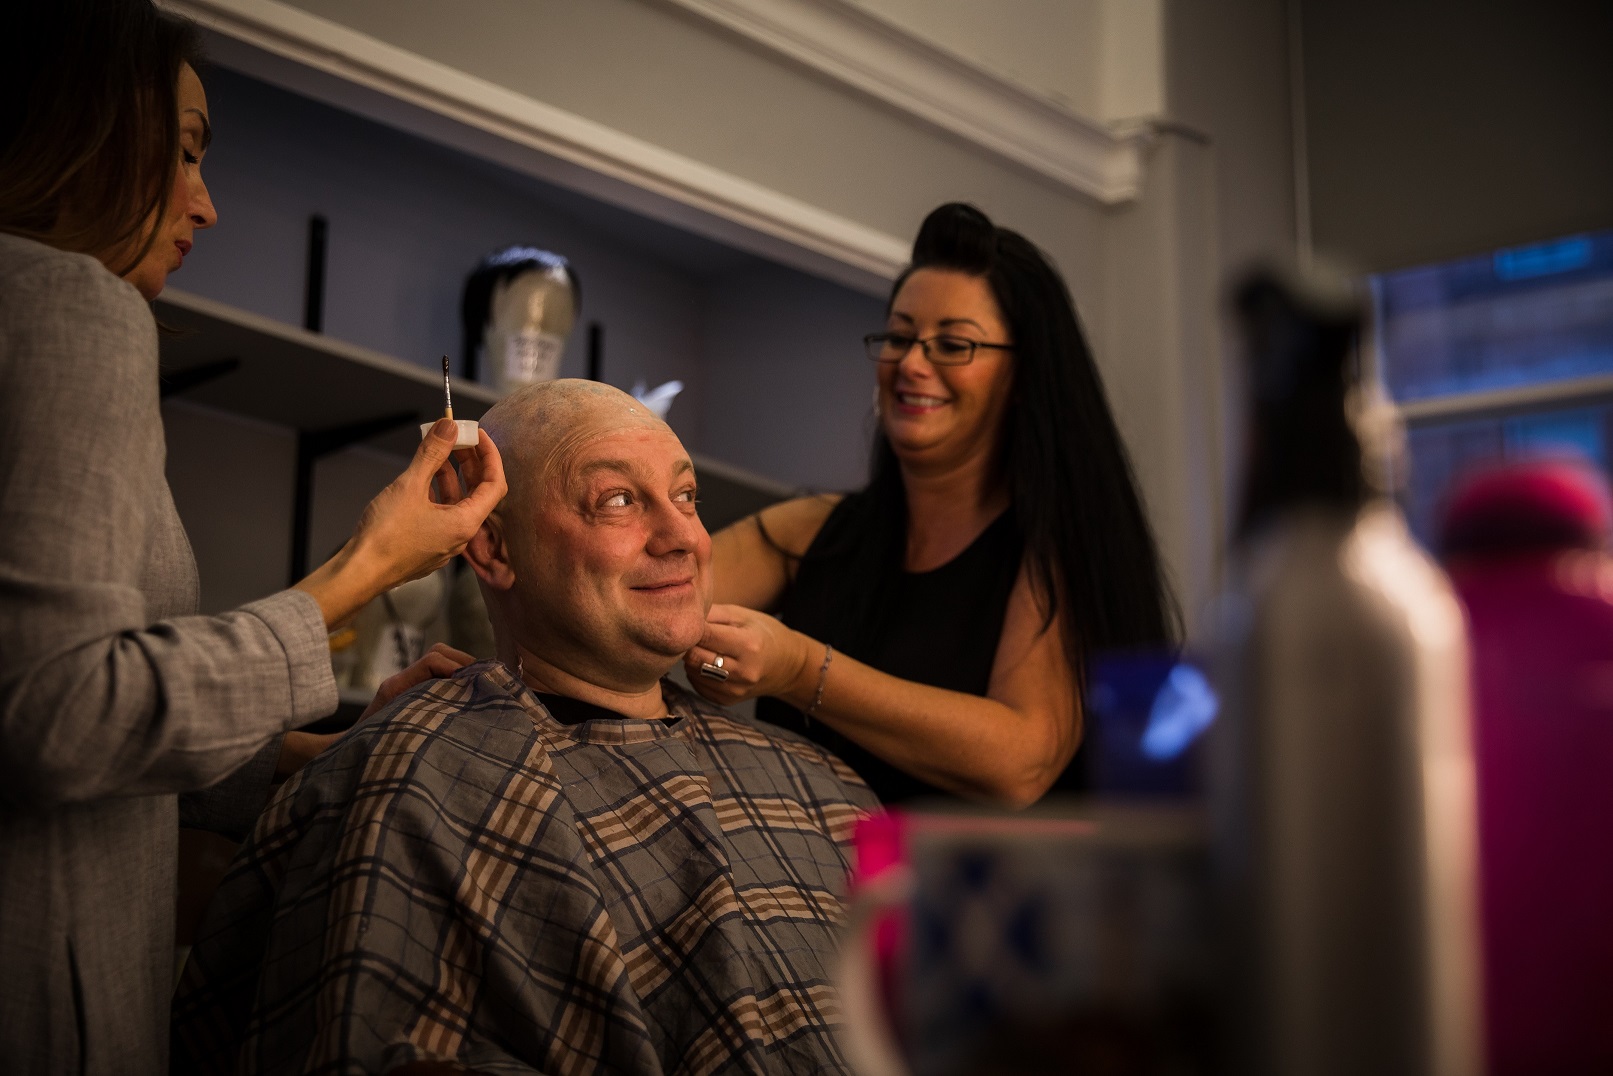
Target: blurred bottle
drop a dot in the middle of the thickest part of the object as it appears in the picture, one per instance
(1342, 776)
(1526, 546)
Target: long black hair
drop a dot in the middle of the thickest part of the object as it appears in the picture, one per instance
(89, 123)
(1088, 546)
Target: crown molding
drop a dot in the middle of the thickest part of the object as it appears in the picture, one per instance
(564, 148)
(860, 50)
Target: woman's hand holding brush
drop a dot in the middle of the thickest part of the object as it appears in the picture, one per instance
(406, 532)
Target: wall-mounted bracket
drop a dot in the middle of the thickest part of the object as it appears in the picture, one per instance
(596, 351)
(313, 303)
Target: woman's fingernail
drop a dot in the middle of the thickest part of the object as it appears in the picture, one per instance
(445, 430)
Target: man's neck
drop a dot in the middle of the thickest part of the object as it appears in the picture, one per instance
(644, 704)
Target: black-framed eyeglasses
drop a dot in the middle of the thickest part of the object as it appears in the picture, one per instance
(941, 350)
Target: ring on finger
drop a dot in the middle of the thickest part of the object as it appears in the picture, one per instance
(714, 670)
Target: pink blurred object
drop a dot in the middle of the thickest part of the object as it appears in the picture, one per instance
(1526, 545)
(1548, 504)
(880, 844)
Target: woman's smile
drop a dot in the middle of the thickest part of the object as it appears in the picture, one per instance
(918, 403)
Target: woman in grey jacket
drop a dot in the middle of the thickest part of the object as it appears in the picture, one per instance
(114, 696)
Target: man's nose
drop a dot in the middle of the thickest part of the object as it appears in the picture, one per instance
(674, 529)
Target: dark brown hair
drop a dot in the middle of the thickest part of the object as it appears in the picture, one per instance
(89, 124)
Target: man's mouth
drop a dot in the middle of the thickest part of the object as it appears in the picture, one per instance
(669, 586)
(184, 246)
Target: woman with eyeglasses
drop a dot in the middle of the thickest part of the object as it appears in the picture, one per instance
(933, 628)
(114, 696)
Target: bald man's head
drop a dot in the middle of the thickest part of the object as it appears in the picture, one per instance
(538, 426)
(596, 562)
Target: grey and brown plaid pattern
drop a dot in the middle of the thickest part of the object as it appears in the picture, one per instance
(464, 879)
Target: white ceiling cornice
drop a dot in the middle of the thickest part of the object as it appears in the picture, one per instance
(861, 50)
(642, 176)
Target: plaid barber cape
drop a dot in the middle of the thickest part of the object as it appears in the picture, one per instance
(465, 879)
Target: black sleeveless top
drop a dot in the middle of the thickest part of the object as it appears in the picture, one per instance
(939, 627)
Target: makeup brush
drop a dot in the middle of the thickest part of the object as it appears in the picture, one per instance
(466, 435)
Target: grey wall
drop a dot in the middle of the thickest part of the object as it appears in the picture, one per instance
(1163, 363)
(788, 389)
(670, 78)
(1440, 128)
(232, 483)
(1228, 78)
(1054, 50)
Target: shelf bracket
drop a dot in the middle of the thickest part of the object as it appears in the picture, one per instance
(313, 446)
(195, 376)
(313, 303)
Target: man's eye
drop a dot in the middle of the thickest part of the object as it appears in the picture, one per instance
(616, 500)
(951, 346)
(689, 496)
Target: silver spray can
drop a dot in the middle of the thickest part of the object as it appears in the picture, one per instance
(1342, 776)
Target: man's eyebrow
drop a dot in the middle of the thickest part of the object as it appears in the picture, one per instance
(207, 128)
(595, 466)
(626, 467)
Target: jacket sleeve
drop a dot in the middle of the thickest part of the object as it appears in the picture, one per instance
(95, 699)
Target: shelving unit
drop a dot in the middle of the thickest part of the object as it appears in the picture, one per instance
(336, 394)
(292, 377)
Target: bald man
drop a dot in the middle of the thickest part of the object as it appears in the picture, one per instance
(556, 862)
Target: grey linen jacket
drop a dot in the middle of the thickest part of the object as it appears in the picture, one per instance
(113, 695)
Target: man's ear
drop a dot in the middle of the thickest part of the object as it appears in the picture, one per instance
(489, 556)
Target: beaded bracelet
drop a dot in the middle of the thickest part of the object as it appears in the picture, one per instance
(823, 676)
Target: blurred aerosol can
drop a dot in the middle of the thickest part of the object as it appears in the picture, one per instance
(1342, 775)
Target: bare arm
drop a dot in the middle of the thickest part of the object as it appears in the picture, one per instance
(1007, 747)
(751, 571)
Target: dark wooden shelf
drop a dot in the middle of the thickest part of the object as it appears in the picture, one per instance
(304, 380)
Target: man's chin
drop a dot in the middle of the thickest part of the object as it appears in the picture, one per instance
(672, 635)
(672, 648)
